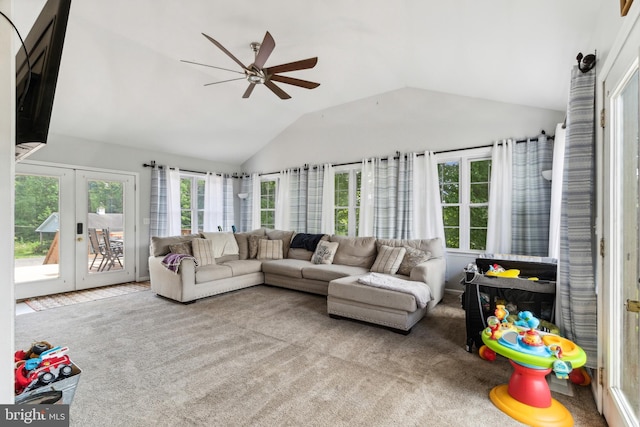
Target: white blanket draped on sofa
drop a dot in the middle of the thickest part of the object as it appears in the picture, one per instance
(419, 290)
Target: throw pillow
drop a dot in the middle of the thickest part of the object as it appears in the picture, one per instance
(269, 249)
(388, 259)
(181, 248)
(253, 245)
(324, 253)
(203, 251)
(412, 258)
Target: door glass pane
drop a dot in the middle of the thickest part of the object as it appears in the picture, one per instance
(105, 215)
(37, 230)
(630, 328)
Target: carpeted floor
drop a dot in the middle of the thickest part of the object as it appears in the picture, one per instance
(266, 356)
(68, 298)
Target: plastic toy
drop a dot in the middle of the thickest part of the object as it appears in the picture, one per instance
(496, 270)
(487, 354)
(49, 366)
(580, 376)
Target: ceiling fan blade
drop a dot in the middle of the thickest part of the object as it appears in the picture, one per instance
(275, 89)
(266, 47)
(211, 66)
(224, 81)
(222, 48)
(292, 66)
(247, 92)
(296, 82)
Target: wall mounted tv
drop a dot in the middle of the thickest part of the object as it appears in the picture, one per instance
(36, 79)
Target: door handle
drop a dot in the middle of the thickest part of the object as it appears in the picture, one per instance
(632, 306)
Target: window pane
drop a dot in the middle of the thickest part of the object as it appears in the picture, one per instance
(452, 237)
(479, 216)
(342, 189)
(267, 219)
(450, 193)
(480, 193)
(478, 238)
(358, 184)
(185, 222)
(480, 174)
(451, 216)
(449, 172)
(185, 193)
(200, 220)
(342, 222)
(200, 195)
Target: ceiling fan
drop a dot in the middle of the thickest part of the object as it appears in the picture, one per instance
(256, 73)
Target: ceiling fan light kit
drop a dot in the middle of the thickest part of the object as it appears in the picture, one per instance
(256, 73)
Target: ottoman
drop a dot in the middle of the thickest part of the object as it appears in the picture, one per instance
(398, 311)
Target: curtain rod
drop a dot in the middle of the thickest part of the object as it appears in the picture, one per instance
(153, 165)
(397, 156)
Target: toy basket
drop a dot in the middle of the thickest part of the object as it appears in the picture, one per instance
(66, 385)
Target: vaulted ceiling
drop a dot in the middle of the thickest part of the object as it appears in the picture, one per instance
(121, 79)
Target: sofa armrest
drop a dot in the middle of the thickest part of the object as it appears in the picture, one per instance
(177, 286)
(431, 272)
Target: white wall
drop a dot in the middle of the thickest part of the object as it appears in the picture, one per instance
(75, 152)
(7, 138)
(403, 120)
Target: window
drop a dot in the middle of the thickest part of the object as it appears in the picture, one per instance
(192, 203)
(347, 202)
(464, 191)
(268, 203)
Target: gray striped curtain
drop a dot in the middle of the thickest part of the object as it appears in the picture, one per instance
(158, 224)
(531, 201)
(577, 316)
(385, 198)
(246, 205)
(298, 199)
(228, 213)
(404, 213)
(315, 176)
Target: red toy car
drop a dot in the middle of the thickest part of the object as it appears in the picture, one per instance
(49, 369)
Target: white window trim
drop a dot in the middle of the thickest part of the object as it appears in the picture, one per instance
(465, 157)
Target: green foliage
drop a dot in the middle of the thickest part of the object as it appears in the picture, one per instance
(107, 195)
(36, 198)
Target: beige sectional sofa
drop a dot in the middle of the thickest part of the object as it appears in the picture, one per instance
(237, 266)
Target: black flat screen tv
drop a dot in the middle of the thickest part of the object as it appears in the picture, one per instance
(36, 78)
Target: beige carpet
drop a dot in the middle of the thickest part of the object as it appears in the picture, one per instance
(271, 357)
(68, 298)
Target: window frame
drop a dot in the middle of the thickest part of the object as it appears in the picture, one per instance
(269, 178)
(464, 159)
(196, 226)
(353, 220)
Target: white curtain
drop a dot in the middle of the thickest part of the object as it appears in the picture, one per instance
(283, 202)
(427, 206)
(499, 223)
(255, 201)
(174, 212)
(367, 190)
(556, 191)
(328, 201)
(228, 206)
(213, 202)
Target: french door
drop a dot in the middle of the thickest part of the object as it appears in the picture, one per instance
(74, 229)
(621, 273)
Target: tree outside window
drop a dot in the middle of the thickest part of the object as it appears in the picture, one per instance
(192, 204)
(347, 202)
(268, 204)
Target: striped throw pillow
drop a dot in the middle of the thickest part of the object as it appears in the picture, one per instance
(388, 259)
(269, 249)
(203, 251)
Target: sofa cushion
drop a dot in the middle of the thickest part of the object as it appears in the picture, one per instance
(243, 242)
(303, 252)
(269, 249)
(285, 236)
(224, 243)
(325, 252)
(355, 251)
(411, 258)
(245, 266)
(160, 245)
(388, 259)
(181, 248)
(349, 289)
(203, 251)
(211, 272)
(329, 272)
(286, 267)
(254, 242)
